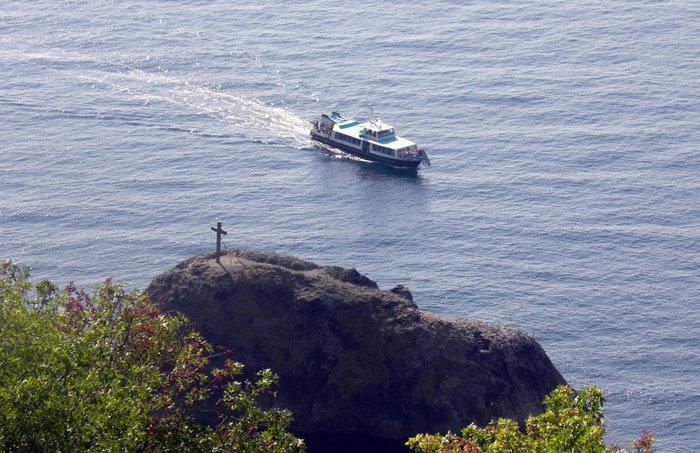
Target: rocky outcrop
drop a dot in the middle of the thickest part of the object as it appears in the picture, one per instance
(352, 357)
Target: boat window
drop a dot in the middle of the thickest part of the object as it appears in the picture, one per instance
(386, 133)
(347, 138)
(384, 150)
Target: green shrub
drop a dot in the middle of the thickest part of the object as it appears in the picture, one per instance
(572, 423)
(108, 372)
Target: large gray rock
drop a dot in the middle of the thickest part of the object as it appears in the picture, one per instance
(352, 357)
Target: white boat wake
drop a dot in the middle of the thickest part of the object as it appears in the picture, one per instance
(110, 77)
(232, 108)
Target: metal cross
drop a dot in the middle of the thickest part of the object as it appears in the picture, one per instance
(219, 232)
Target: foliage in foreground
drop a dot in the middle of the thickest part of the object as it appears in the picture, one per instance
(572, 423)
(108, 372)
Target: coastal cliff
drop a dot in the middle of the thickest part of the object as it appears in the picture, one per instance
(353, 358)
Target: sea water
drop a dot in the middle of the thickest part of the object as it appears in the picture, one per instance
(563, 198)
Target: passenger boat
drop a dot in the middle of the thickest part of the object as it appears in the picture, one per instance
(373, 140)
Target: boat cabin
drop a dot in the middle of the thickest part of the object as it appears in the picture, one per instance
(377, 131)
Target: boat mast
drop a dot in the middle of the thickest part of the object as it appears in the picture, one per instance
(372, 117)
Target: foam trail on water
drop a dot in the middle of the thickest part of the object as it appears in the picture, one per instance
(232, 108)
(194, 96)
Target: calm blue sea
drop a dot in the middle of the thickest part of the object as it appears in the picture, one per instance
(563, 198)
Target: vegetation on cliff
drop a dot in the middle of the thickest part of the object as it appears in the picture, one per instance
(108, 372)
(572, 423)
